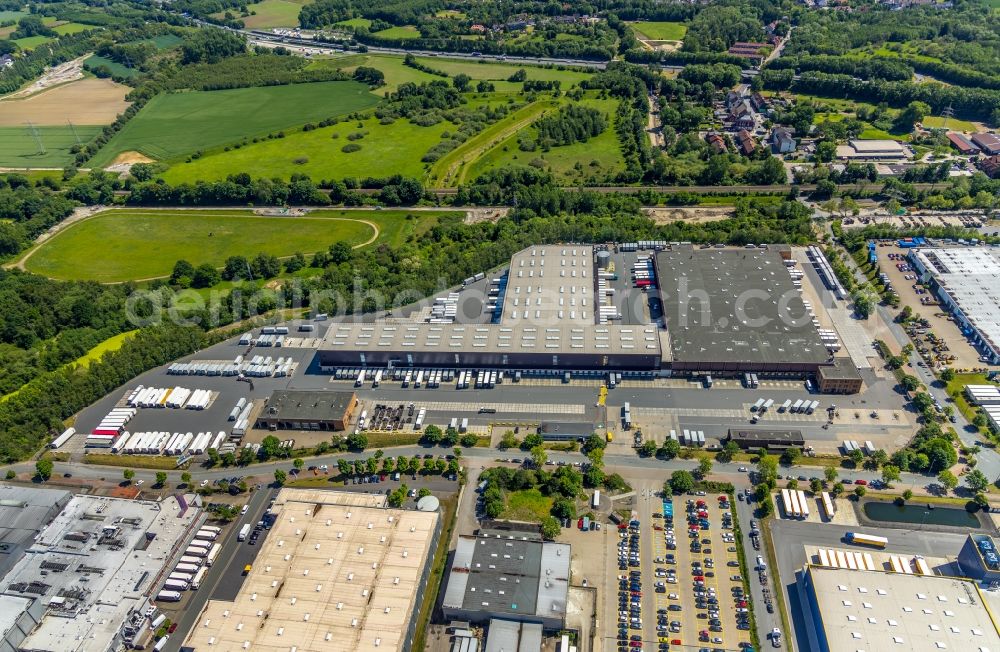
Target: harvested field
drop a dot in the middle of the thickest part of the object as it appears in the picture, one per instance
(87, 101)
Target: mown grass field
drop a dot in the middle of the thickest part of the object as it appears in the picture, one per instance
(355, 22)
(953, 124)
(133, 244)
(273, 13)
(659, 31)
(110, 344)
(404, 32)
(117, 69)
(595, 160)
(174, 125)
(18, 148)
(385, 149)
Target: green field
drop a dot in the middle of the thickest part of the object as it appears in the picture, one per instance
(527, 505)
(953, 124)
(599, 158)
(110, 344)
(386, 149)
(18, 147)
(32, 42)
(133, 244)
(355, 22)
(173, 125)
(117, 69)
(71, 28)
(12, 15)
(660, 31)
(405, 32)
(272, 13)
(392, 67)
(166, 41)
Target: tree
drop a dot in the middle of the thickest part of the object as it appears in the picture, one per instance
(922, 401)
(704, 467)
(461, 82)
(856, 456)
(432, 435)
(908, 494)
(979, 420)
(976, 481)
(128, 474)
(838, 489)
(468, 440)
(826, 150)
(246, 456)
(563, 508)
(909, 383)
(357, 441)
(767, 469)
(669, 449)
(10, 475)
(213, 458)
(912, 114)
(279, 477)
(728, 452)
(270, 447)
(947, 374)
(344, 467)
(182, 270)
(947, 480)
(508, 440)
(879, 458)
(890, 473)
(43, 468)
(228, 459)
(532, 440)
(830, 474)
(539, 457)
(298, 463)
(860, 492)
(423, 492)
(205, 276)
(790, 455)
(594, 442)
(161, 478)
(186, 478)
(550, 528)
(864, 302)
(815, 485)
(681, 481)
(648, 448)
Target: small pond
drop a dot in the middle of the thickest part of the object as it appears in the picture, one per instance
(918, 514)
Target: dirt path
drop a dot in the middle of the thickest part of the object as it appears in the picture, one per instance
(79, 214)
(61, 74)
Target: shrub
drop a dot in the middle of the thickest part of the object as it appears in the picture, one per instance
(350, 147)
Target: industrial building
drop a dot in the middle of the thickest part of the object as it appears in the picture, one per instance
(979, 558)
(760, 438)
(513, 636)
(873, 150)
(983, 394)
(842, 377)
(24, 512)
(300, 410)
(510, 574)
(852, 610)
(730, 311)
(967, 281)
(555, 311)
(84, 584)
(337, 571)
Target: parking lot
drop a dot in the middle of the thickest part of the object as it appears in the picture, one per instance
(678, 577)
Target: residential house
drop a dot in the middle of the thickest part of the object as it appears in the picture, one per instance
(746, 142)
(717, 142)
(991, 166)
(742, 116)
(6, 61)
(759, 103)
(782, 141)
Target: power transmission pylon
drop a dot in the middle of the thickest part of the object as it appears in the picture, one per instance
(948, 112)
(73, 129)
(38, 139)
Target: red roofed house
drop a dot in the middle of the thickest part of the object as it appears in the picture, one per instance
(747, 142)
(962, 144)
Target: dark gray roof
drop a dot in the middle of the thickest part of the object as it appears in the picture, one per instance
(841, 369)
(789, 437)
(734, 305)
(306, 406)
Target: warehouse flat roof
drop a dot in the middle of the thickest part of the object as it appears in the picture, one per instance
(549, 285)
(509, 572)
(971, 276)
(734, 305)
(841, 369)
(875, 610)
(93, 565)
(337, 571)
(511, 636)
(24, 511)
(522, 337)
(306, 406)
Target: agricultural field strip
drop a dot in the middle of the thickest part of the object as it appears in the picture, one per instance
(444, 170)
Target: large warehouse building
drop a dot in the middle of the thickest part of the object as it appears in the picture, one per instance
(337, 571)
(508, 574)
(849, 610)
(967, 280)
(567, 308)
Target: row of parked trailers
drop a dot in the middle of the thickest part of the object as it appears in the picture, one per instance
(107, 432)
(851, 445)
(825, 271)
(204, 368)
(171, 397)
(190, 571)
(242, 410)
(846, 559)
(689, 437)
(261, 366)
(166, 443)
(795, 504)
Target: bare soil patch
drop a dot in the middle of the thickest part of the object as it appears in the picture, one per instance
(693, 214)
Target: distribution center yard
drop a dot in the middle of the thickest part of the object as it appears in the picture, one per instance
(173, 125)
(135, 244)
(385, 149)
(87, 101)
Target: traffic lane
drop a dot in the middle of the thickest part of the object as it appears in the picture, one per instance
(221, 570)
(765, 621)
